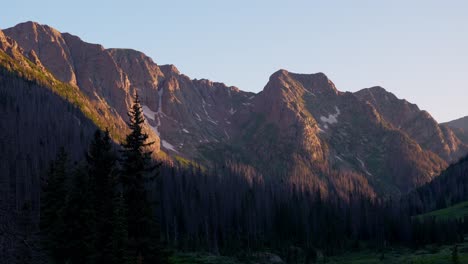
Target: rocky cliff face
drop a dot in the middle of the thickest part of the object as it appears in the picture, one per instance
(185, 113)
(50, 47)
(417, 124)
(461, 123)
(87, 67)
(300, 128)
(459, 127)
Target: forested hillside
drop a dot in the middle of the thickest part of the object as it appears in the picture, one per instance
(26, 106)
(449, 188)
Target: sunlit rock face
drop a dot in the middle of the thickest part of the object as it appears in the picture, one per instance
(416, 123)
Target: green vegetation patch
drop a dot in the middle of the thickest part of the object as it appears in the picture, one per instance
(429, 255)
(457, 211)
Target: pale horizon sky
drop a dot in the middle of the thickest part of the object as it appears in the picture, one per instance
(417, 49)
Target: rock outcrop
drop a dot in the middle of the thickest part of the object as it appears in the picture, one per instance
(461, 123)
(416, 123)
(459, 127)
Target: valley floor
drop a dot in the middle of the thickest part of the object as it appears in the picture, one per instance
(428, 255)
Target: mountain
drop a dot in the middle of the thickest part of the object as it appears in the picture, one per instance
(299, 129)
(461, 123)
(302, 127)
(417, 124)
(459, 127)
(184, 113)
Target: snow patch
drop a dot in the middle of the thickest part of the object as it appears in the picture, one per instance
(185, 130)
(168, 145)
(309, 92)
(332, 118)
(206, 113)
(232, 111)
(148, 113)
(160, 112)
(204, 108)
(160, 94)
(212, 121)
(364, 166)
(155, 116)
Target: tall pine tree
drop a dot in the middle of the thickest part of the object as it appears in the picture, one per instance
(144, 238)
(53, 205)
(80, 219)
(101, 167)
(118, 242)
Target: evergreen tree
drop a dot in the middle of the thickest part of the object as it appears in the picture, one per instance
(118, 242)
(144, 237)
(53, 203)
(80, 221)
(101, 164)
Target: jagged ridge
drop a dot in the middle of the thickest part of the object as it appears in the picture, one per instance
(300, 127)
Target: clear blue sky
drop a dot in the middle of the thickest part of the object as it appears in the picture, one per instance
(416, 49)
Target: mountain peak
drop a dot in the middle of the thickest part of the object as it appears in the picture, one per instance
(279, 73)
(169, 68)
(282, 73)
(33, 28)
(49, 46)
(283, 80)
(377, 89)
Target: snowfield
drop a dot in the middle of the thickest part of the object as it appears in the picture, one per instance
(332, 118)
